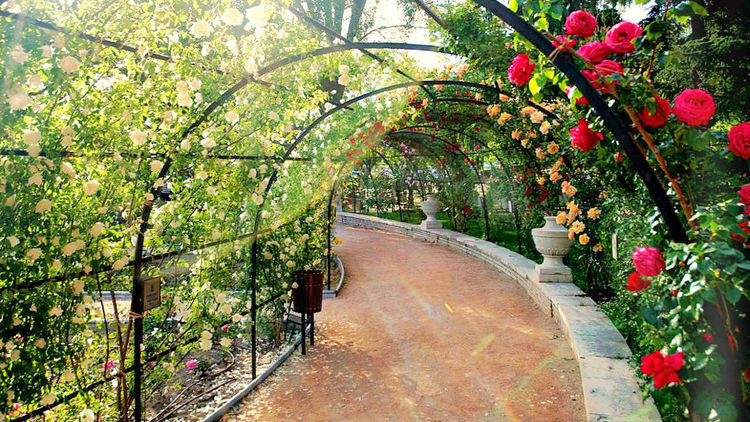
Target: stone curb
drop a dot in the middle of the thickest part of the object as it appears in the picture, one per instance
(610, 389)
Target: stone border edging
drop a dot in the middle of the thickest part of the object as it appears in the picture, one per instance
(610, 389)
(329, 294)
(221, 411)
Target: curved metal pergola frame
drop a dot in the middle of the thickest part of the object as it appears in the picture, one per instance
(562, 61)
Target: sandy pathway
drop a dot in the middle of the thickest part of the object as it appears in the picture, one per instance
(422, 332)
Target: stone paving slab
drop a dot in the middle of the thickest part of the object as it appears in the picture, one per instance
(611, 391)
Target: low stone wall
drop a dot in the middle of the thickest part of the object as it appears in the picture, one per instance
(610, 389)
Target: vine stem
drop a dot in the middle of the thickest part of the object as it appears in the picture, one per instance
(684, 204)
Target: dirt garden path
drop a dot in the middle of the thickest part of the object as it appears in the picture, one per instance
(422, 332)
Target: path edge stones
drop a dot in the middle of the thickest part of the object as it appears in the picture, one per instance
(610, 388)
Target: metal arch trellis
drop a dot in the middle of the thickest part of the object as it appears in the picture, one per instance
(488, 234)
(565, 64)
(562, 61)
(497, 156)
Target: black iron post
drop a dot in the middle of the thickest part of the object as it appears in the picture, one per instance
(328, 235)
(253, 305)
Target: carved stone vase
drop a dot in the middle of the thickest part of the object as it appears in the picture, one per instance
(553, 243)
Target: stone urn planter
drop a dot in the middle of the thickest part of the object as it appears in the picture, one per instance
(552, 242)
(430, 207)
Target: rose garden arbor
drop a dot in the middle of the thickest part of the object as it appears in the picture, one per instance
(171, 171)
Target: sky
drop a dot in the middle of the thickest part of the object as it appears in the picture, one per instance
(390, 13)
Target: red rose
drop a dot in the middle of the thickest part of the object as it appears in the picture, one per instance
(708, 337)
(666, 377)
(648, 261)
(652, 364)
(694, 107)
(605, 68)
(562, 39)
(581, 24)
(662, 368)
(636, 283)
(739, 140)
(581, 101)
(584, 138)
(619, 38)
(594, 51)
(660, 115)
(744, 193)
(520, 69)
(745, 227)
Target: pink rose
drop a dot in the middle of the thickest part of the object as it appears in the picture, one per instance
(660, 115)
(620, 37)
(191, 364)
(520, 69)
(648, 261)
(584, 138)
(581, 24)
(694, 107)
(739, 140)
(594, 51)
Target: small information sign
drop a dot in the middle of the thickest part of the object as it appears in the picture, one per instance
(151, 293)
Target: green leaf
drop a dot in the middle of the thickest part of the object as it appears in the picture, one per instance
(733, 295)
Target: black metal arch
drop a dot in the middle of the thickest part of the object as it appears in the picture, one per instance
(565, 64)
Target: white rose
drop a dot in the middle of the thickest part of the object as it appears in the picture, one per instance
(196, 84)
(344, 69)
(33, 150)
(120, 263)
(96, 229)
(36, 179)
(232, 116)
(32, 137)
(40, 343)
(67, 168)
(43, 205)
(33, 254)
(138, 137)
(273, 115)
(69, 64)
(87, 415)
(200, 29)
(13, 241)
(78, 286)
(185, 145)
(184, 100)
(48, 399)
(182, 88)
(344, 80)
(226, 342)
(208, 143)
(18, 99)
(55, 311)
(232, 17)
(156, 166)
(90, 187)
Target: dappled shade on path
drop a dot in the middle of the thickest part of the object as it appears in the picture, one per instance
(423, 332)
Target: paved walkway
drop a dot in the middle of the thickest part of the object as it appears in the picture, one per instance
(422, 332)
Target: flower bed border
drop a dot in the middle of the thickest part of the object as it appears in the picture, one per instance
(610, 389)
